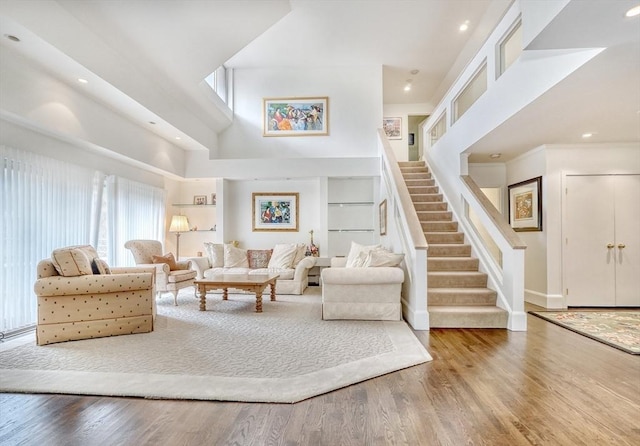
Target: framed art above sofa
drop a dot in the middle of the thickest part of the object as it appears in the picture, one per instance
(275, 211)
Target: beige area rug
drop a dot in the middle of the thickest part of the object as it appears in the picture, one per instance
(229, 353)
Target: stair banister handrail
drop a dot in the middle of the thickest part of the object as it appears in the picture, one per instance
(494, 215)
(408, 235)
(418, 238)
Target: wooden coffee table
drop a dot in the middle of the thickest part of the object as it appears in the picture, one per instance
(249, 282)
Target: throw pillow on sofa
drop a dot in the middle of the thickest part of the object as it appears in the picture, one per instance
(283, 256)
(358, 254)
(382, 257)
(235, 257)
(72, 261)
(215, 253)
(259, 258)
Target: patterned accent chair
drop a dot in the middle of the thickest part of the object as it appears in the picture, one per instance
(80, 297)
(168, 280)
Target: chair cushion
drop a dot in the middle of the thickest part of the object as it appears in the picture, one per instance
(181, 275)
(72, 261)
(235, 257)
(168, 258)
(215, 253)
(258, 258)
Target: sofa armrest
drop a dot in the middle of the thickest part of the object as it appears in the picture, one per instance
(183, 264)
(303, 267)
(363, 276)
(200, 265)
(131, 270)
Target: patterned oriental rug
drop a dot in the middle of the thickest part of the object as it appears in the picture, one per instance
(619, 329)
(228, 353)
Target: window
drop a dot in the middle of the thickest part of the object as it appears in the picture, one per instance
(218, 82)
(470, 93)
(48, 204)
(438, 129)
(509, 48)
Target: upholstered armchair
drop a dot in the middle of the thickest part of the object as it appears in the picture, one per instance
(171, 275)
(80, 297)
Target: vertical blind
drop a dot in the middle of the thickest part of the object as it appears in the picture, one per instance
(45, 204)
(48, 204)
(134, 211)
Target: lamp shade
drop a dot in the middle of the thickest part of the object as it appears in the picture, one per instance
(179, 223)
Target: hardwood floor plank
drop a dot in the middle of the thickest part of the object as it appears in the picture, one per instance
(546, 386)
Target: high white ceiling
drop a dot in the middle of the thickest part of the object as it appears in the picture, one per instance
(147, 59)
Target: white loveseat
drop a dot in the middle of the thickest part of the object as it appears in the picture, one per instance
(287, 260)
(366, 285)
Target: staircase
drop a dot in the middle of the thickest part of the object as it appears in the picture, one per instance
(458, 296)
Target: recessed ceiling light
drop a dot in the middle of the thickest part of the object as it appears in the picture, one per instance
(587, 135)
(464, 26)
(633, 11)
(177, 137)
(152, 123)
(407, 87)
(414, 72)
(83, 81)
(12, 37)
(495, 155)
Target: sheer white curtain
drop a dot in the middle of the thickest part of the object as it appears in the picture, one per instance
(134, 211)
(46, 204)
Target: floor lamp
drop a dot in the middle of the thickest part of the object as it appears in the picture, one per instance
(179, 223)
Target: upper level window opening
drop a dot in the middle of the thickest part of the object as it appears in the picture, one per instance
(470, 93)
(438, 129)
(218, 82)
(509, 48)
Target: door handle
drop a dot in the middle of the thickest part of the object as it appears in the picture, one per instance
(621, 245)
(610, 246)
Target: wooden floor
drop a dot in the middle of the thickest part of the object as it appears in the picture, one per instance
(548, 386)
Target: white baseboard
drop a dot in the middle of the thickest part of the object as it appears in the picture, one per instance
(548, 301)
(418, 320)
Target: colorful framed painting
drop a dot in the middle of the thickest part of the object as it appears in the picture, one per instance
(295, 116)
(383, 217)
(525, 205)
(275, 211)
(392, 127)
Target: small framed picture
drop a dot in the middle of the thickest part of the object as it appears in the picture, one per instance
(392, 127)
(199, 199)
(213, 198)
(525, 205)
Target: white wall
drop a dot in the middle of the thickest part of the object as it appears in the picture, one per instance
(400, 146)
(354, 112)
(238, 216)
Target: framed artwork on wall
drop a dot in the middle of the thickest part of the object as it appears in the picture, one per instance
(383, 217)
(392, 127)
(295, 116)
(275, 211)
(525, 205)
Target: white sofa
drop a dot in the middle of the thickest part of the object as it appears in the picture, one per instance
(362, 292)
(287, 260)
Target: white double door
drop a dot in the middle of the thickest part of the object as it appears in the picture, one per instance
(601, 236)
